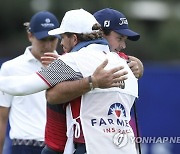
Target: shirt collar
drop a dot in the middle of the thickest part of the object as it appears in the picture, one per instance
(30, 56)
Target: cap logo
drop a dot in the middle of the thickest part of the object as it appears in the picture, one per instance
(123, 21)
(106, 23)
(47, 20)
(47, 23)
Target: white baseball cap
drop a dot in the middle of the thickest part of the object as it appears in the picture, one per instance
(75, 21)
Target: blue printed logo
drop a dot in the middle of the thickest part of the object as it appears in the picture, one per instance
(117, 109)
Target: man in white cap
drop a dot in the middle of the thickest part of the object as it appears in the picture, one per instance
(75, 32)
(88, 49)
(115, 32)
(116, 35)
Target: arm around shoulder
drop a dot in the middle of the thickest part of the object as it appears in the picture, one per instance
(22, 85)
(101, 78)
(67, 91)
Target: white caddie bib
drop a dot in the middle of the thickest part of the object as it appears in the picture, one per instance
(105, 113)
(105, 123)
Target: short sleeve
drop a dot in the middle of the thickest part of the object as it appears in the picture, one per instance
(62, 69)
(5, 99)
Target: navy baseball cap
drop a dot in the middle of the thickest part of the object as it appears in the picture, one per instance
(41, 23)
(115, 21)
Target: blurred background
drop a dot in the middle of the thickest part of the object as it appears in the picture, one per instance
(158, 22)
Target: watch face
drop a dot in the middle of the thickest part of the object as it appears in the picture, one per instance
(90, 83)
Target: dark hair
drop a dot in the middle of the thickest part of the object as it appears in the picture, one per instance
(106, 31)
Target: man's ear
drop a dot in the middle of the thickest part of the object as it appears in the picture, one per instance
(30, 36)
(75, 39)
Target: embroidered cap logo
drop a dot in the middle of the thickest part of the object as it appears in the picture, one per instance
(106, 23)
(123, 21)
(47, 23)
(47, 20)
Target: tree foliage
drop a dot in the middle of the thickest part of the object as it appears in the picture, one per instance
(159, 39)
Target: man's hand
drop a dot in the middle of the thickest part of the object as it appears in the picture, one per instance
(48, 58)
(102, 78)
(136, 66)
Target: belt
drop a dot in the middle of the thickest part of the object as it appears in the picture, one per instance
(28, 142)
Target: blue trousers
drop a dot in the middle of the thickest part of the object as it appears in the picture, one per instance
(47, 150)
(26, 149)
(80, 148)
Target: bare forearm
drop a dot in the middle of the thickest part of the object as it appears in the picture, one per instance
(2, 138)
(69, 90)
(3, 126)
(66, 91)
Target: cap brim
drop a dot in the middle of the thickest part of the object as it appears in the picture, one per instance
(133, 36)
(56, 31)
(41, 35)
